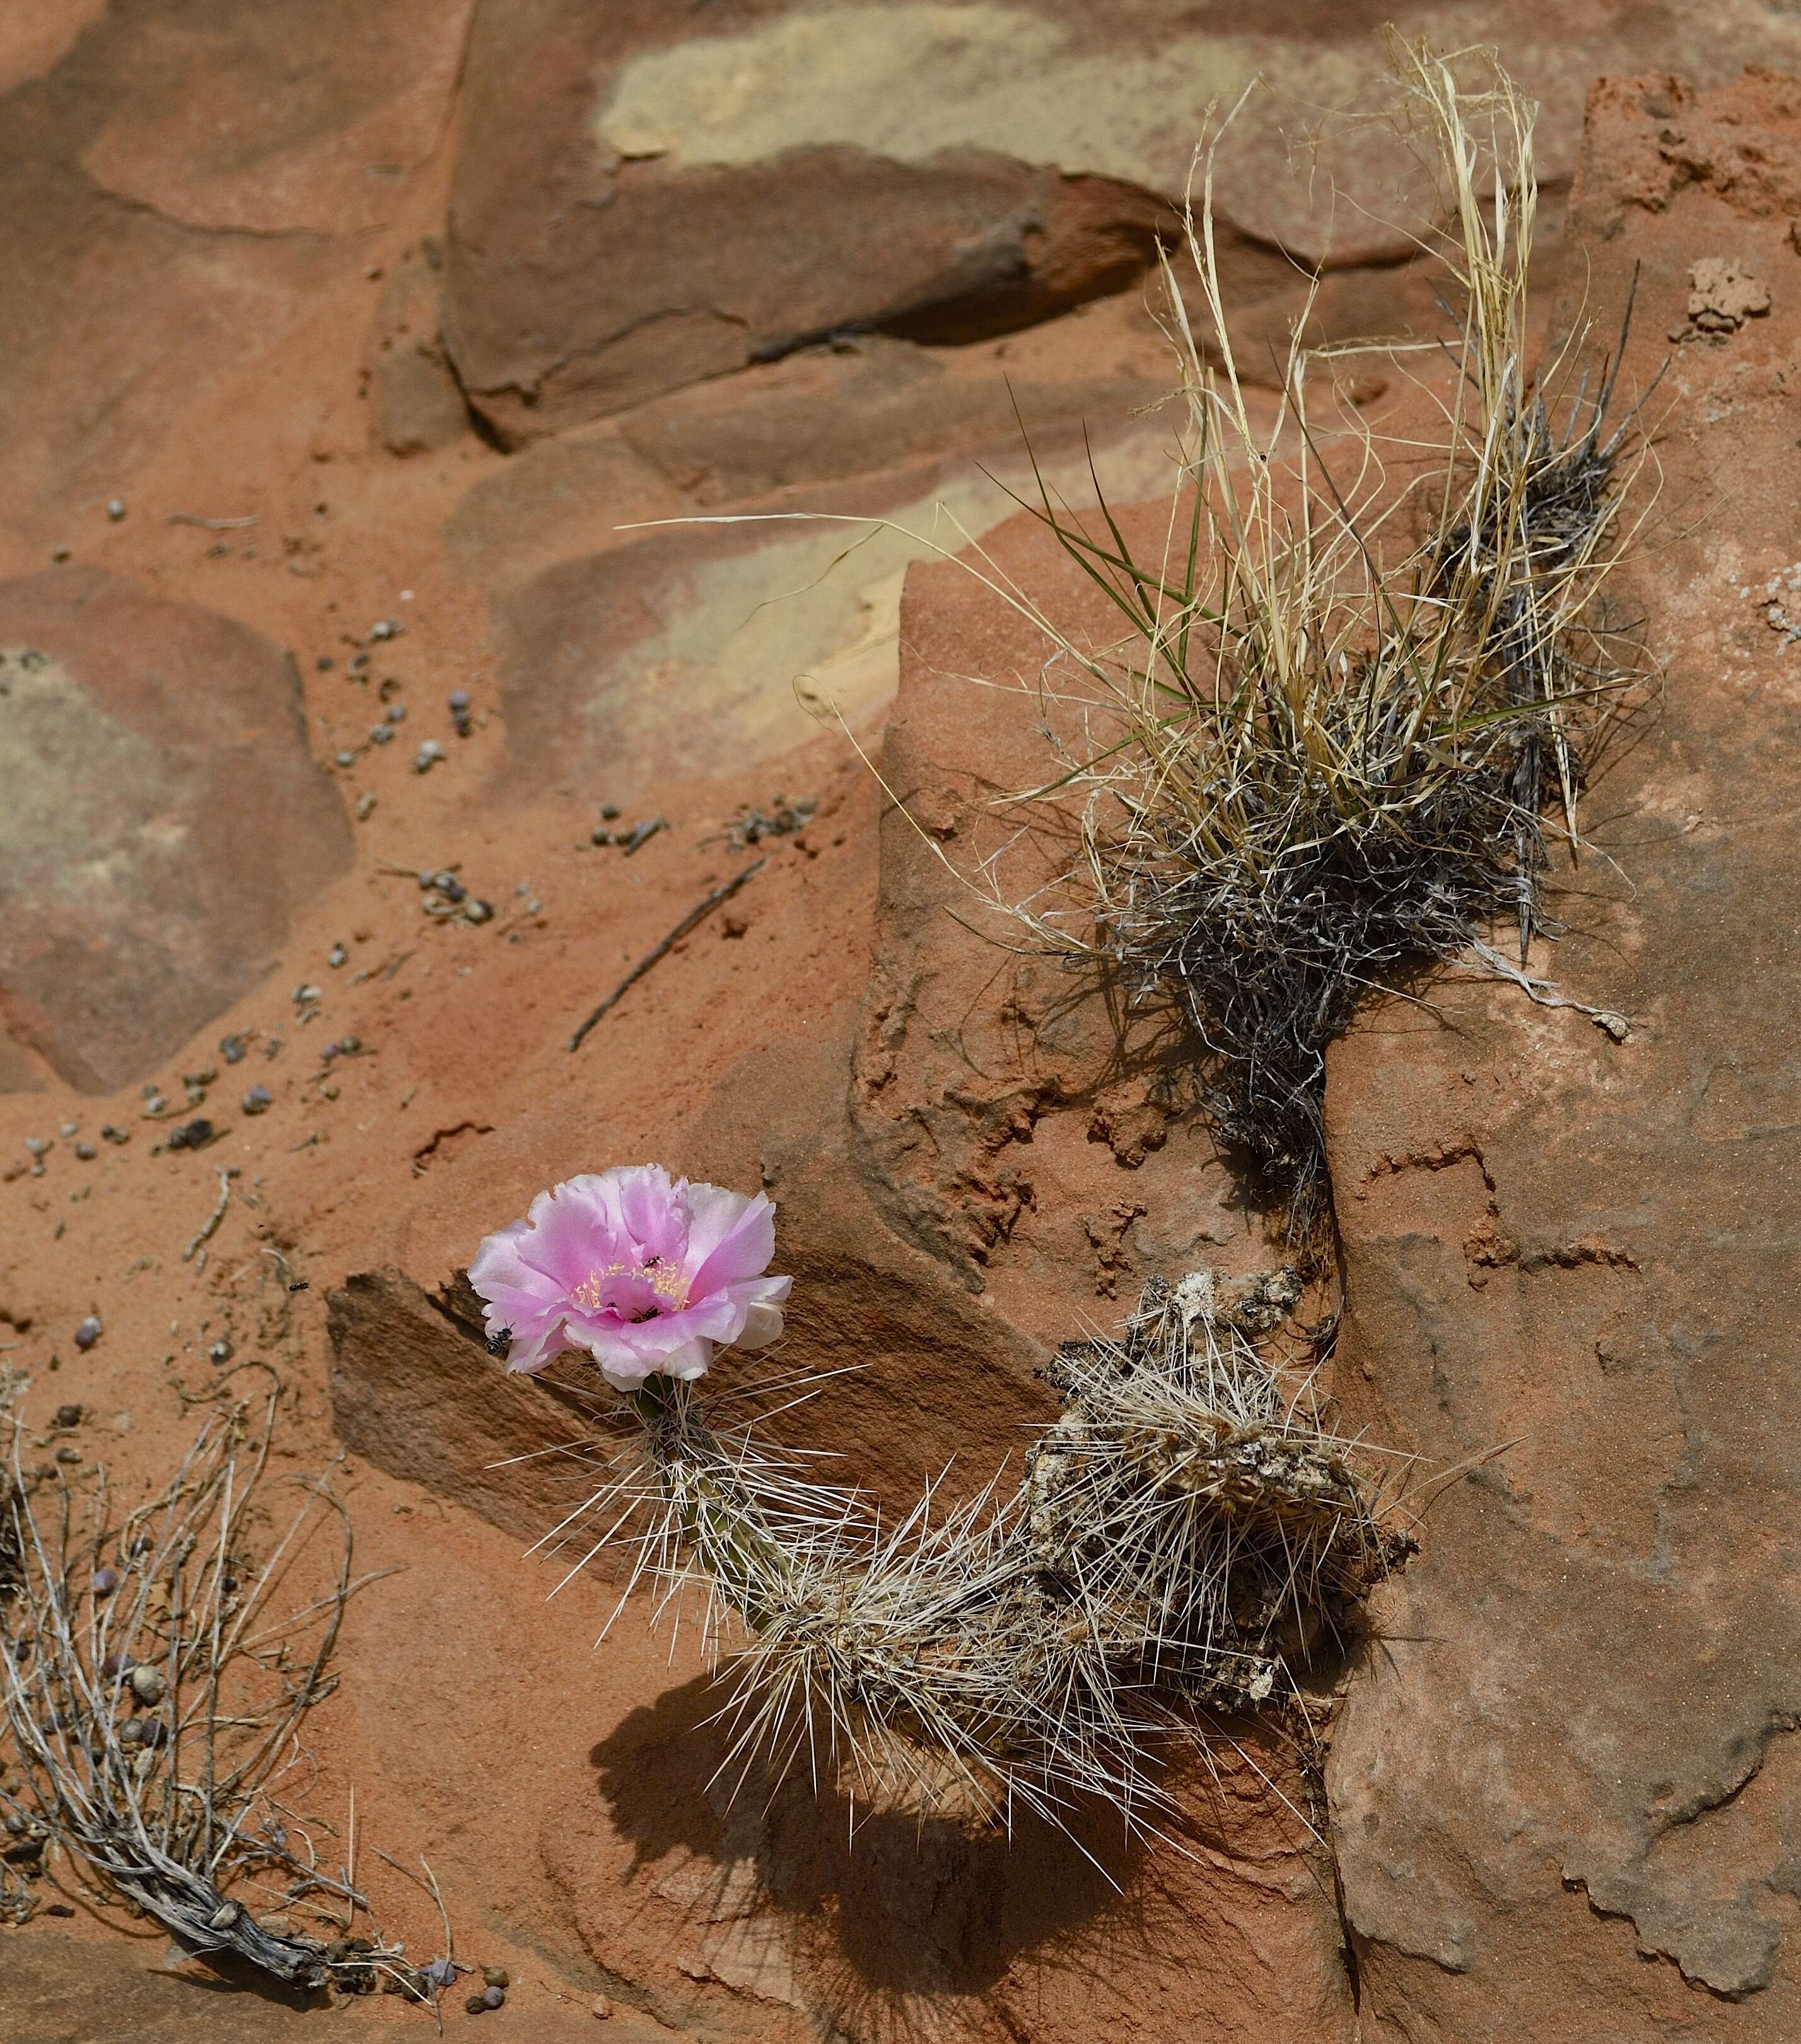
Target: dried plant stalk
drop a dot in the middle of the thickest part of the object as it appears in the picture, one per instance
(1186, 1538)
(1323, 755)
(153, 1691)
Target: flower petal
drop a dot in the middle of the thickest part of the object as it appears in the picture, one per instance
(535, 1349)
(654, 1212)
(575, 1228)
(689, 1362)
(741, 1244)
(763, 1325)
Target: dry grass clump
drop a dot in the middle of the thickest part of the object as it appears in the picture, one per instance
(1360, 673)
(1186, 1539)
(155, 1668)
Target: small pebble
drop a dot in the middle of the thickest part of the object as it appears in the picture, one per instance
(155, 1732)
(68, 1455)
(258, 1101)
(383, 734)
(194, 1134)
(232, 1049)
(109, 1134)
(496, 1976)
(68, 1415)
(87, 1152)
(105, 1581)
(453, 891)
(459, 702)
(329, 1091)
(336, 956)
(325, 664)
(221, 1351)
(440, 1973)
(59, 555)
(600, 834)
(350, 1045)
(601, 2008)
(37, 1145)
(347, 760)
(360, 664)
(365, 808)
(396, 713)
(388, 629)
(87, 1331)
(147, 1683)
(116, 1664)
(477, 2003)
(155, 1105)
(611, 812)
(477, 911)
(427, 756)
(493, 1997)
(115, 509)
(68, 1127)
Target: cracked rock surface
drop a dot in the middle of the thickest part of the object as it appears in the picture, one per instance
(1566, 1797)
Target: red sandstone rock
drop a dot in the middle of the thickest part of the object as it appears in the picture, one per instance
(1563, 1799)
(160, 815)
(196, 325)
(419, 405)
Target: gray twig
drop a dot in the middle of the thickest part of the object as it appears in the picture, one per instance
(226, 1174)
(694, 916)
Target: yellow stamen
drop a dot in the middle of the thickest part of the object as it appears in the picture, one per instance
(668, 1281)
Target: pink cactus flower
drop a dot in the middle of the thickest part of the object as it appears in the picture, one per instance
(644, 1274)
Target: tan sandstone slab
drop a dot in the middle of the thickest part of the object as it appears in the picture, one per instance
(648, 199)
